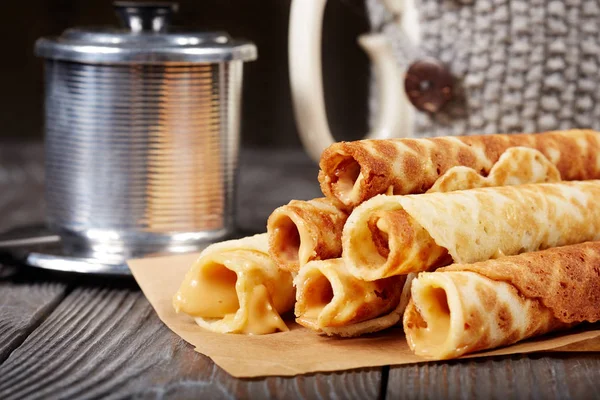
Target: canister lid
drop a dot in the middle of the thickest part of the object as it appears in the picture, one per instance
(144, 39)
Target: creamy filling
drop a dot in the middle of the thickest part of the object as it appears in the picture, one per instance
(436, 318)
(318, 294)
(371, 245)
(347, 181)
(287, 241)
(334, 301)
(293, 245)
(227, 295)
(429, 324)
(379, 232)
(210, 294)
(394, 243)
(262, 318)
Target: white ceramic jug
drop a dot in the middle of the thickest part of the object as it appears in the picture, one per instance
(394, 118)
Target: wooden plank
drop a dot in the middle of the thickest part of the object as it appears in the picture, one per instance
(24, 301)
(539, 376)
(102, 341)
(23, 306)
(362, 384)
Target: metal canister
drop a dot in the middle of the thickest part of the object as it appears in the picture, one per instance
(142, 131)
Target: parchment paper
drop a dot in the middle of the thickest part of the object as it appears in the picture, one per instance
(302, 351)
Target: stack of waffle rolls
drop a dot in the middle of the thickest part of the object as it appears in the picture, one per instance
(303, 231)
(396, 209)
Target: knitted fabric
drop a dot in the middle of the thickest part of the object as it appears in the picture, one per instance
(519, 65)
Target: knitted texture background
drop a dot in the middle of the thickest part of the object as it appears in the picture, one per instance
(519, 65)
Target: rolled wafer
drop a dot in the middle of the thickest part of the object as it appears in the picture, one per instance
(236, 287)
(302, 231)
(469, 307)
(333, 302)
(353, 172)
(516, 166)
(394, 235)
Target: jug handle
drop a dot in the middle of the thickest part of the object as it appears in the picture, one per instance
(306, 80)
(394, 117)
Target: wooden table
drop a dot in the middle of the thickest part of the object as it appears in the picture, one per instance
(84, 337)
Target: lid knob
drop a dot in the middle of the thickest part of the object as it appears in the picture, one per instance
(149, 16)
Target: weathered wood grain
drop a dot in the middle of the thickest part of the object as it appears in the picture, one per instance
(363, 384)
(24, 301)
(23, 306)
(102, 342)
(535, 376)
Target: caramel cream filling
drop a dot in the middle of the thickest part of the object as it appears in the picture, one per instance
(390, 242)
(317, 294)
(210, 294)
(347, 182)
(261, 317)
(227, 292)
(291, 243)
(285, 241)
(433, 318)
(332, 300)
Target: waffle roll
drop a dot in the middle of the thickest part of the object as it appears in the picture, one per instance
(303, 231)
(465, 308)
(516, 166)
(395, 235)
(331, 301)
(236, 287)
(353, 172)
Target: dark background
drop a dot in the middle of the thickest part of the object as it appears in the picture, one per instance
(267, 110)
